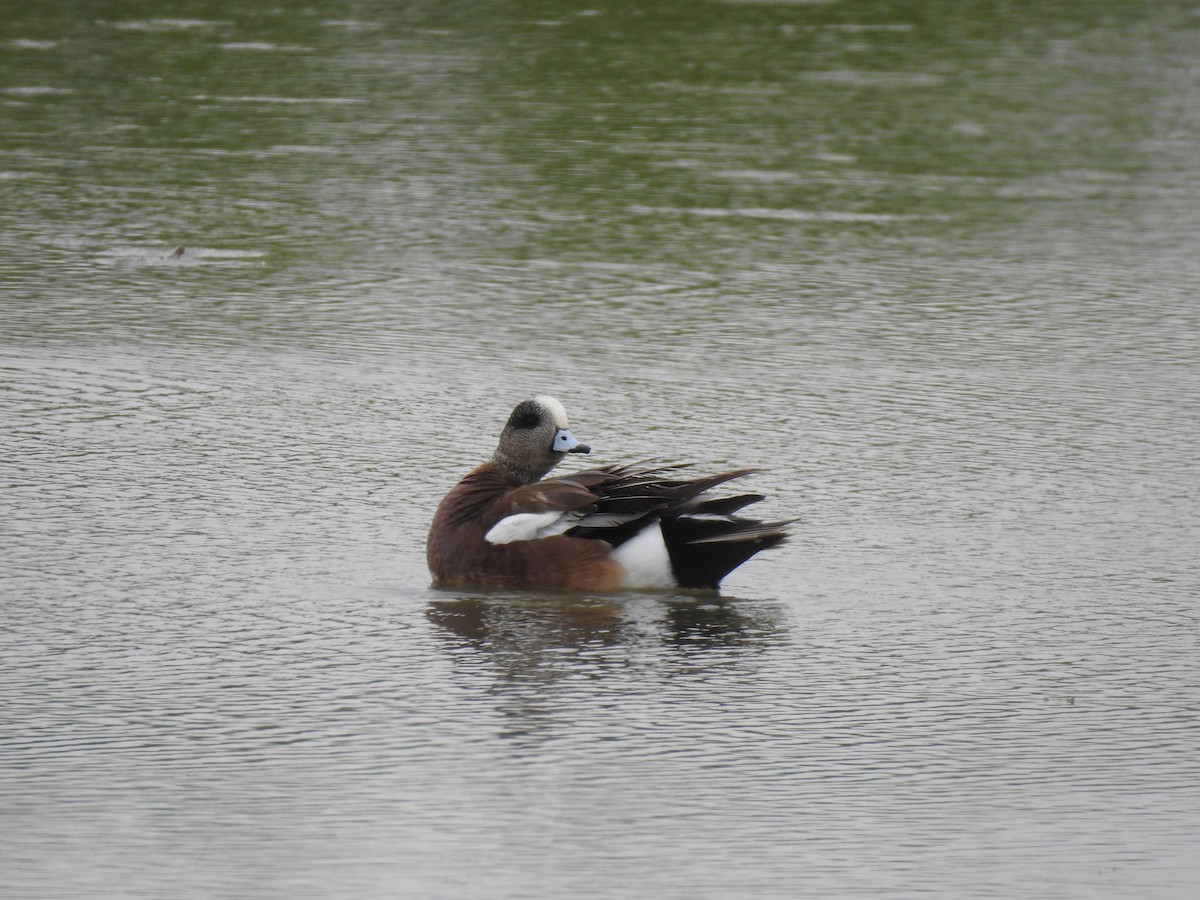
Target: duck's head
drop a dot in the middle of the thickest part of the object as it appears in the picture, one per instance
(535, 439)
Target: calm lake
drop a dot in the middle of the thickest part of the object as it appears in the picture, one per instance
(272, 277)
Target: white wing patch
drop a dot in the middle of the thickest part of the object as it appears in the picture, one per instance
(529, 527)
(645, 559)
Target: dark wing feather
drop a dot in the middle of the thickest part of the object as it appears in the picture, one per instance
(725, 506)
(704, 538)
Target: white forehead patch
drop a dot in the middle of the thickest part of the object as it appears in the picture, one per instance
(554, 408)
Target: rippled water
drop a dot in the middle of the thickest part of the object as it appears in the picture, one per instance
(272, 279)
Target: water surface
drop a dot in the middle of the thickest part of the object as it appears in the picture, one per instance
(272, 279)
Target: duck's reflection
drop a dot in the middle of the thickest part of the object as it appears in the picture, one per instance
(498, 620)
(547, 662)
(532, 625)
(720, 623)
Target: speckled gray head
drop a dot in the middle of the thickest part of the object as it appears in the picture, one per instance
(535, 439)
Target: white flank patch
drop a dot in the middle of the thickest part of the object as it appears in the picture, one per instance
(645, 560)
(555, 409)
(528, 527)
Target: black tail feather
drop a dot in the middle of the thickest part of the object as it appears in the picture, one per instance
(703, 551)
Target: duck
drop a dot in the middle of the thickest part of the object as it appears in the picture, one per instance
(635, 526)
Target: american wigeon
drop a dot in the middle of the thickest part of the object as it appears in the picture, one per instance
(505, 525)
